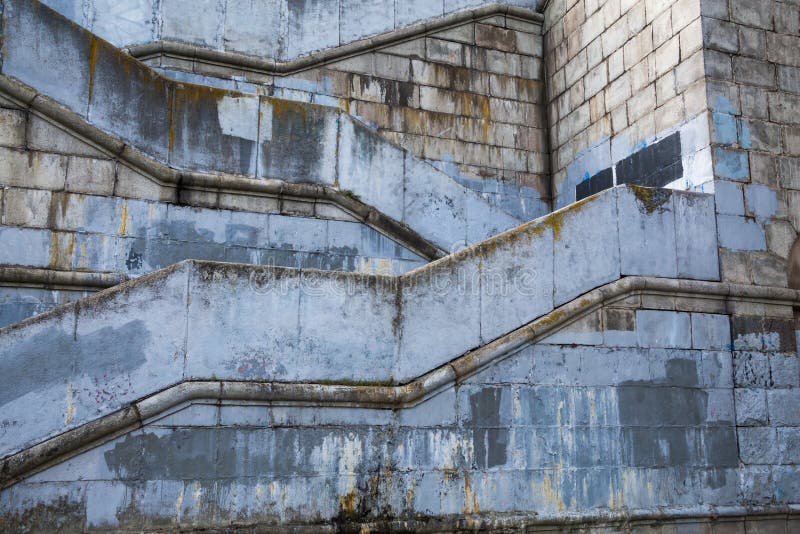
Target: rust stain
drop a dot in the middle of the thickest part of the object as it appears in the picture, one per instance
(92, 62)
(348, 502)
(61, 257)
(471, 505)
(123, 222)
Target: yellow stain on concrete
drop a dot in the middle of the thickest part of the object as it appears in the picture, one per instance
(123, 219)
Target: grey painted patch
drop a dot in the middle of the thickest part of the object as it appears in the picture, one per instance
(489, 442)
(663, 421)
(53, 356)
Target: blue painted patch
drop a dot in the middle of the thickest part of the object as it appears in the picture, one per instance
(744, 135)
(722, 104)
(731, 164)
(724, 129)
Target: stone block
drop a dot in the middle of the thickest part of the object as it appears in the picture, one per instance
(753, 13)
(782, 107)
(729, 198)
(711, 331)
(762, 202)
(784, 407)
(353, 318)
(717, 369)
(91, 176)
(751, 407)
(26, 207)
(131, 101)
(784, 370)
(789, 443)
(516, 281)
(48, 137)
(123, 24)
(586, 246)
(730, 164)
(696, 236)
(415, 10)
(751, 369)
(720, 35)
(440, 51)
(362, 18)
(297, 141)
(256, 28)
(200, 28)
(758, 446)
(754, 72)
(12, 128)
(740, 233)
(646, 232)
(789, 79)
(666, 329)
(313, 25)
(32, 169)
(752, 42)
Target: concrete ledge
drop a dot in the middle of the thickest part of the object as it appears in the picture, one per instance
(67, 444)
(49, 278)
(318, 59)
(716, 516)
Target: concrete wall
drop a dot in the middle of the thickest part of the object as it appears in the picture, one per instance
(66, 206)
(753, 93)
(295, 325)
(648, 406)
(626, 75)
(280, 29)
(469, 98)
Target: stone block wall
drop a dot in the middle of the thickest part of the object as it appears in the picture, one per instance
(626, 95)
(469, 98)
(753, 66)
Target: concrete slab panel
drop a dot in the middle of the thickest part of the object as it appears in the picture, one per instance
(371, 168)
(516, 280)
(646, 221)
(47, 52)
(130, 100)
(256, 28)
(586, 246)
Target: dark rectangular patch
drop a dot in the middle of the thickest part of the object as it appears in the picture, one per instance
(600, 181)
(653, 166)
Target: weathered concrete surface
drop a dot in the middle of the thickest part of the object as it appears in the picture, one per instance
(269, 323)
(220, 131)
(563, 429)
(279, 29)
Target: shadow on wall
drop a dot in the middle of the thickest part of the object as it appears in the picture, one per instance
(794, 277)
(794, 265)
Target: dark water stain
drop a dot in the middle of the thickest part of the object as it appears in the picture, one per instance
(53, 356)
(224, 452)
